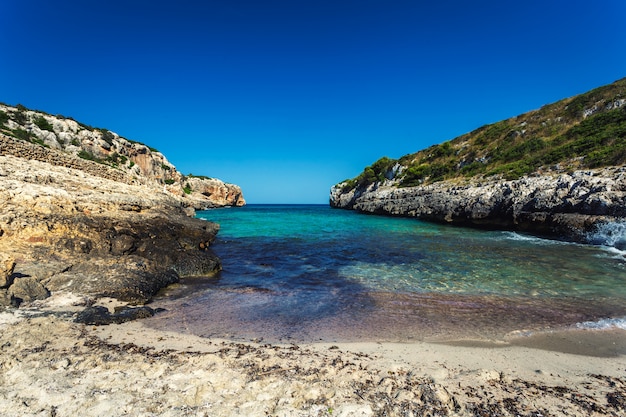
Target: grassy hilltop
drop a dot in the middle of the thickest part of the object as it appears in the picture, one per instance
(585, 131)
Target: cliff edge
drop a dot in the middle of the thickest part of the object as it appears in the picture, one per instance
(558, 171)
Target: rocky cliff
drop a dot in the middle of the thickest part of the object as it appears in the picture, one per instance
(133, 162)
(87, 212)
(568, 205)
(556, 171)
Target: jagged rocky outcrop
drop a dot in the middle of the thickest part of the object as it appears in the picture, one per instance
(563, 204)
(64, 229)
(72, 224)
(132, 162)
(556, 171)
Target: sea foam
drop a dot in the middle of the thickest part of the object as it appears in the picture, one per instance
(604, 324)
(610, 234)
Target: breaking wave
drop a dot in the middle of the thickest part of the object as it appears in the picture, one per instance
(611, 234)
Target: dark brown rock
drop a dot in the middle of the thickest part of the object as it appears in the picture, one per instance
(98, 315)
(8, 300)
(28, 289)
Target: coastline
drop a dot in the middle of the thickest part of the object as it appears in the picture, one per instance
(52, 366)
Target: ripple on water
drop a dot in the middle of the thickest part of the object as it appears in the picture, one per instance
(312, 273)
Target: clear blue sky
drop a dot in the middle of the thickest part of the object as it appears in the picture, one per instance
(286, 98)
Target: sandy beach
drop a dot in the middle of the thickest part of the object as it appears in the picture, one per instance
(51, 366)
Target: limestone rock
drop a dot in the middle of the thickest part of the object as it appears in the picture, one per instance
(104, 153)
(215, 191)
(70, 230)
(97, 215)
(565, 205)
(7, 265)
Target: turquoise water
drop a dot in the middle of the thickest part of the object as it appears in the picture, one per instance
(309, 273)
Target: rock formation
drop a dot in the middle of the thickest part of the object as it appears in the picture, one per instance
(556, 171)
(564, 204)
(133, 162)
(76, 224)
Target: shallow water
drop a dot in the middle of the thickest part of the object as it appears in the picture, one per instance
(309, 273)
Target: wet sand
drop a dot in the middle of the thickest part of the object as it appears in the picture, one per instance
(54, 367)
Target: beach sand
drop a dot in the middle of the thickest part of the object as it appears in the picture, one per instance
(50, 366)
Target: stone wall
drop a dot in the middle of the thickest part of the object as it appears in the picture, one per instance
(26, 150)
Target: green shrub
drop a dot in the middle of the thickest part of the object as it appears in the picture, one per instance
(519, 151)
(87, 155)
(38, 142)
(415, 175)
(169, 181)
(21, 134)
(203, 177)
(107, 136)
(115, 159)
(348, 185)
(4, 117)
(20, 117)
(373, 173)
(187, 189)
(43, 124)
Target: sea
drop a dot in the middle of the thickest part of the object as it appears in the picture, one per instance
(309, 273)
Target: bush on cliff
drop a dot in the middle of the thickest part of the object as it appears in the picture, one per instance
(586, 131)
(4, 117)
(43, 124)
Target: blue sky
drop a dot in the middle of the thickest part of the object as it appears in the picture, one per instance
(287, 98)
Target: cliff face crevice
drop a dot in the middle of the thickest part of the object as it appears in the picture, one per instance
(567, 205)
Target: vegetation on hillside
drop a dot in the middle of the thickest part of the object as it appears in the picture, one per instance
(586, 131)
(22, 117)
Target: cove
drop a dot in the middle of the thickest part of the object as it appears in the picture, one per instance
(301, 273)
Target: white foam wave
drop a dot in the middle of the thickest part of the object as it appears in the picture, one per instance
(533, 239)
(604, 324)
(610, 234)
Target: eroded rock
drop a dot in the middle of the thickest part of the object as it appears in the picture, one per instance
(26, 289)
(74, 232)
(567, 205)
(7, 266)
